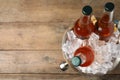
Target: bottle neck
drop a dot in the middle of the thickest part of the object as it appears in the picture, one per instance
(107, 17)
(111, 16)
(85, 19)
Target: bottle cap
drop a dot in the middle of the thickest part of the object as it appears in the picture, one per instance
(87, 10)
(64, 66)
(109, 6)
(76, 61)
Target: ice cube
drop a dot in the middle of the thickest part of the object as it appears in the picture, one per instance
(116, 54)
(102, 70)
(94, 36)
(93, 40)
(113, 39)
(66, 47)
(89, 69)
(105, 52)
(113, 48)
(118, 51)
(83, 69)
(70, 46)
(71, 35)
(118, 47)
(107, 65)
(101, 43)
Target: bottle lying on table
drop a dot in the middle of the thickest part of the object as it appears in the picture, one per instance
(83, 56)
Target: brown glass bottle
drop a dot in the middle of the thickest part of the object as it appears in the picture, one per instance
(84, 26)
(105, 26)
(83, 56)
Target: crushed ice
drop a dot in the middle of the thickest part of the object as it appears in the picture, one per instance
(105, 53)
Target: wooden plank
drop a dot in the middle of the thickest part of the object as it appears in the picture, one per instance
(38, 10)
(43, 77)
(56, 77)
(31, 62)
(48, 11)
(35, 62)
(31, 36)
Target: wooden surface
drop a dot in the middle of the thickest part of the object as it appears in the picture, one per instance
(30, 38)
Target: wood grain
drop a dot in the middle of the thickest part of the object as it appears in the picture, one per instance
(48, 11)
(55, 77)
(38, 10)
(31, 62)
(42, 77)
(35, 62)
(31, 36)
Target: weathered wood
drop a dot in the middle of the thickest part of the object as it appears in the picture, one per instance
(44, 77)
(31, 36)
(56, 77)
(35, 62)
(31, 62)
(38, 10)
(48, 11)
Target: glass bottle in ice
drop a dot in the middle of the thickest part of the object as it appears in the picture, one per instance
(83, 26)
(83, 56)
(105, 25)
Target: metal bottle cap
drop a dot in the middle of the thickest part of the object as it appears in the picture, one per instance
(64, 66)
(76, 61)
(87, 10)
(109, 6)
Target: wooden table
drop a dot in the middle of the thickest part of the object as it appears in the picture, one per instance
(30, 38)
